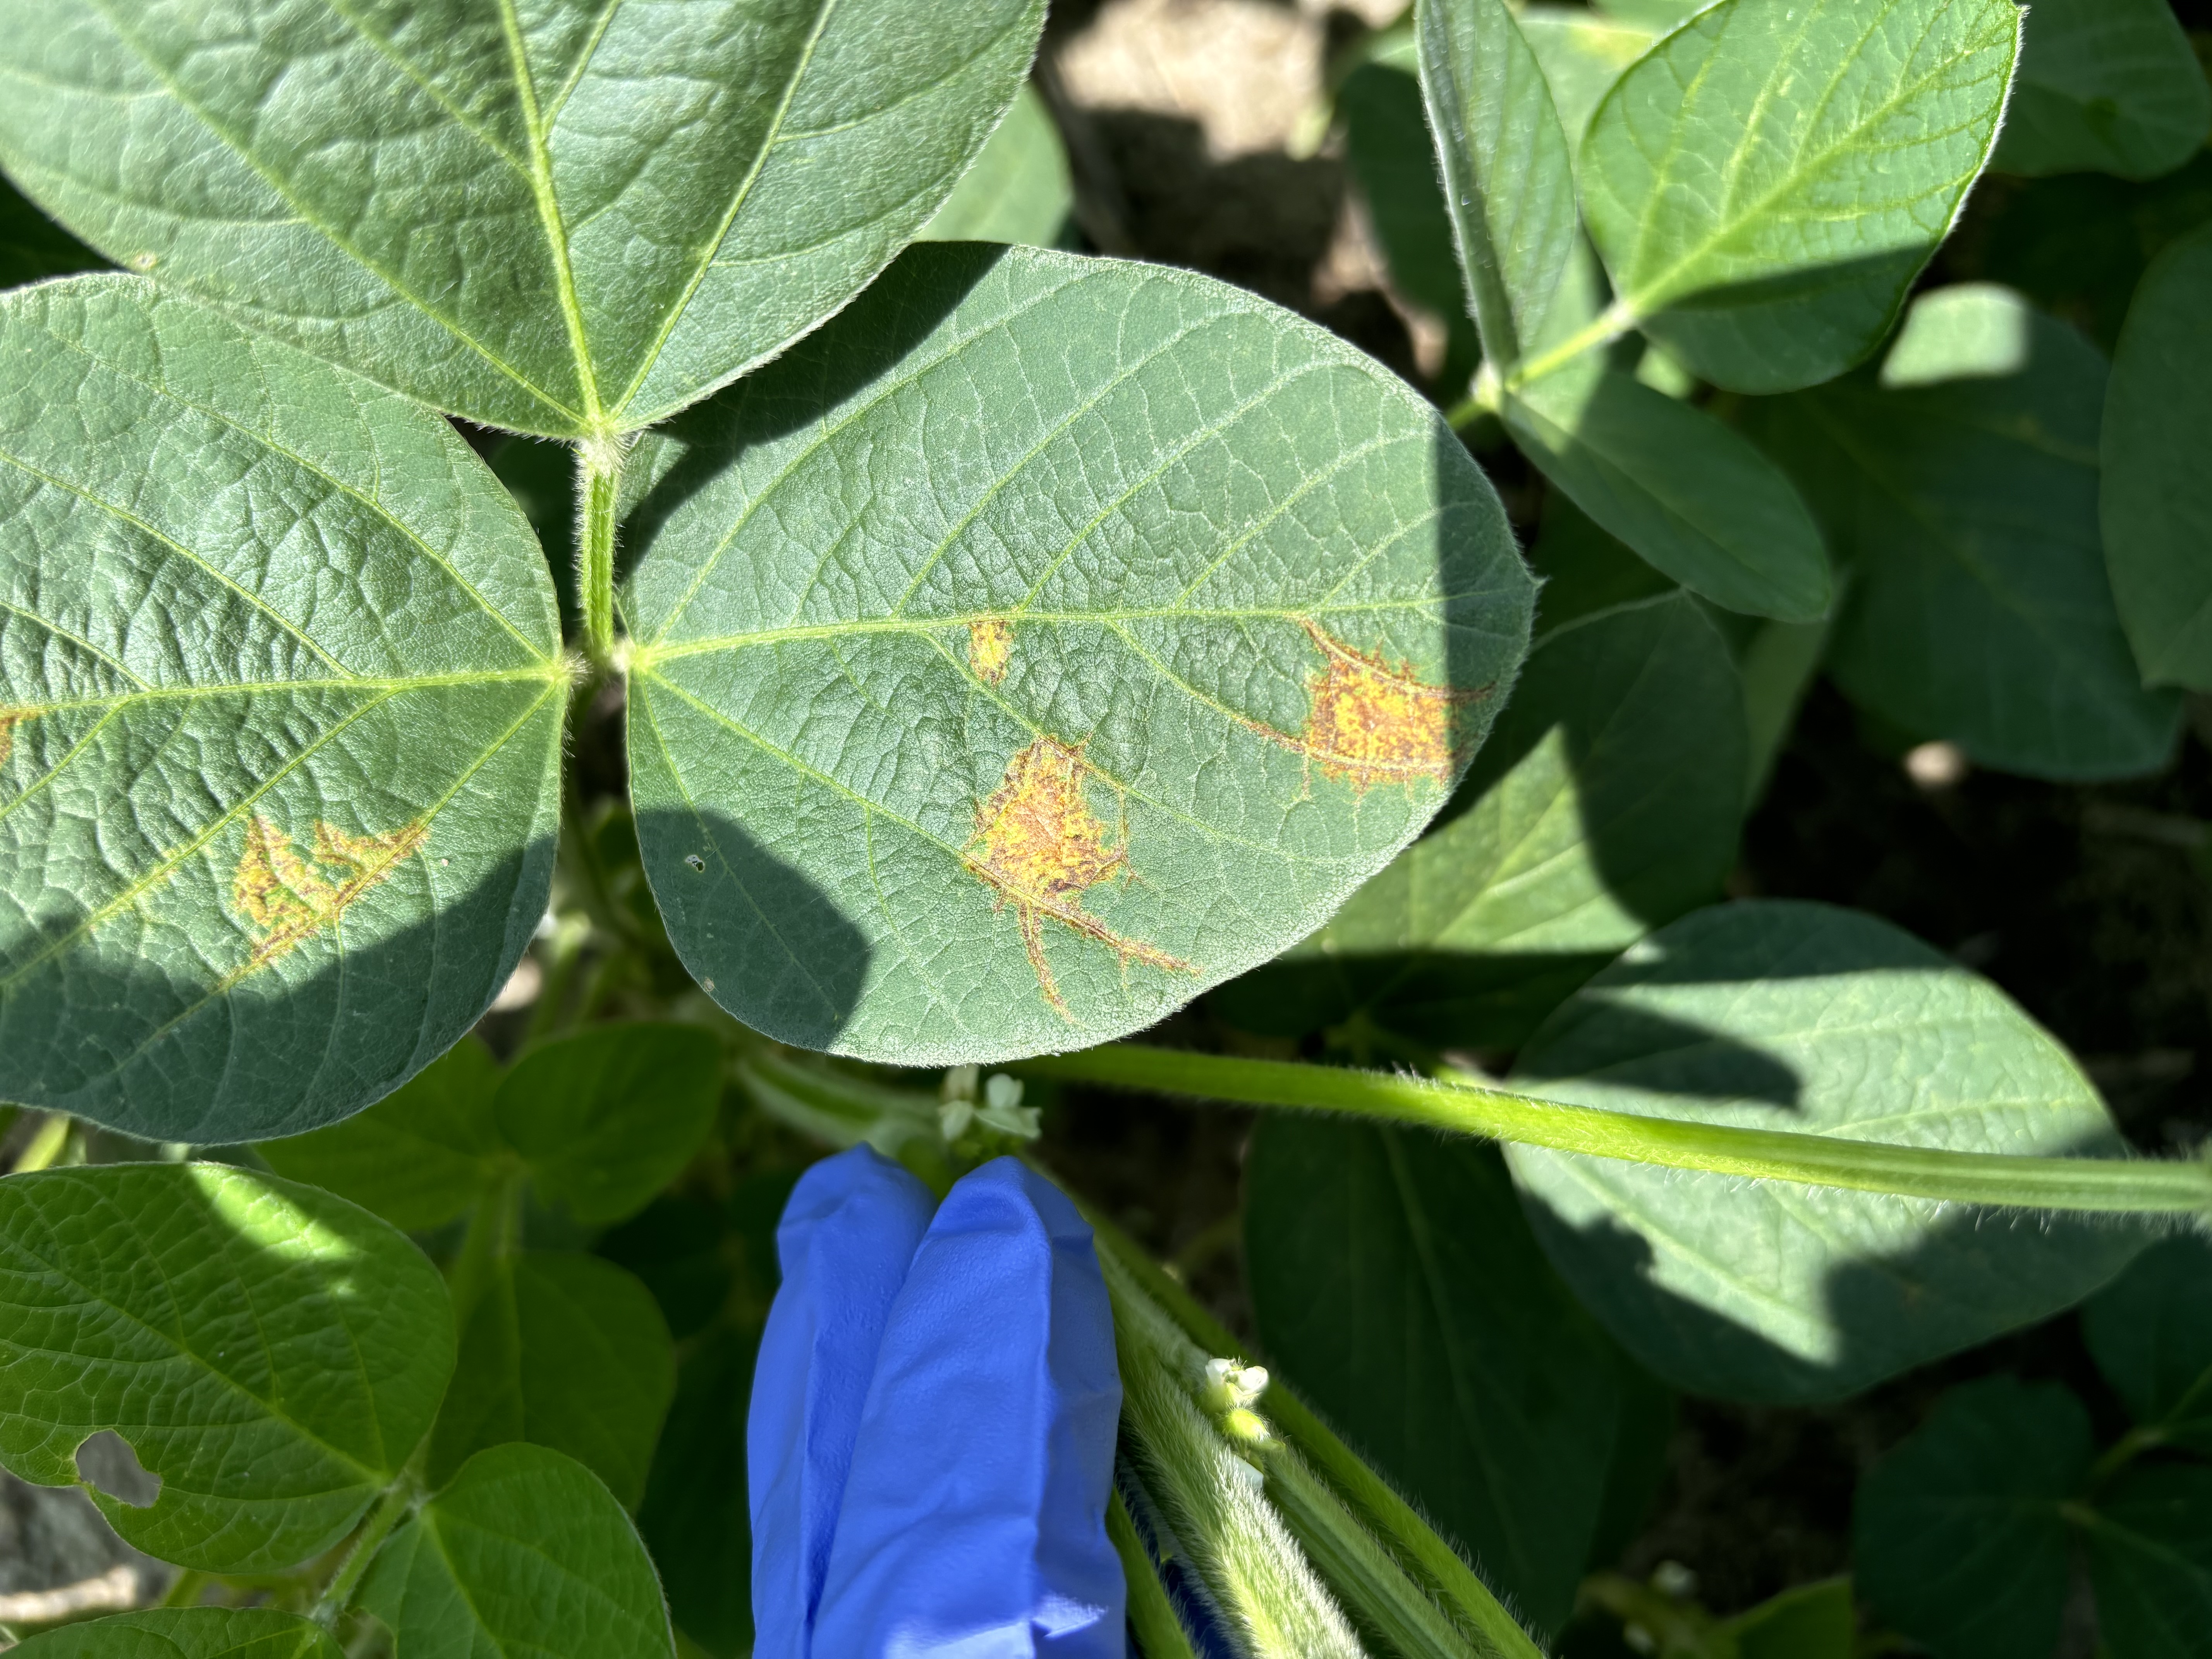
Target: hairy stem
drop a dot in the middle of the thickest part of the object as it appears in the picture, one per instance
(598, 483)
(392, 1509)
(1462, 1104)
(1159, 1633)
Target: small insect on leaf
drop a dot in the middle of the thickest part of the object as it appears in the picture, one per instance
(1372, 722)
(1039, 847)
(283, 894)
(990, 647)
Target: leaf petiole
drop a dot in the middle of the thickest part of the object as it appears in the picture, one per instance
(598, 487)
(398, 1501)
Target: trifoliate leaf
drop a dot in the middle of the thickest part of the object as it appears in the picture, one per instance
(1042, 643)
(2108, 85)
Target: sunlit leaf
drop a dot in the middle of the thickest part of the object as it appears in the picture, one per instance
(1042, 641)
(186, 1633)
(2111, 85)
(1582, 54)
(1019, 188)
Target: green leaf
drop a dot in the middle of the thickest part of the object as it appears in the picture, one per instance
(2156, 502)
(605, 1119)
(695, 1515)
(1658, 15)
(1132, 624)
(1765, 185)
(280, 704)
(420, 1157)
(1394, 1283)
(1791, 1016)
(186, 1633)
(525, 1553)
(1509, 188)
(1960, 483)
(1582, 55)
(567, 1352)
(271, 1353)
(1957, 1536)
(1812, 1622)
(1584, 570)
(2150, 1559)
(2110, 86)
(2150, 1333)
(1605, 802)
(562, 219)
(1689, 494)
(32, 246)
(1019, 188)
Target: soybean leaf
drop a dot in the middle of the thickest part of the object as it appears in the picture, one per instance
(2156, 500)
(32, 246)
(2104, 85)
(1582, 53)
(2150, 1559)
(1658, 15)
(1689, 494)
(1960, 483)
(1017, 189)
(563, 1350)
(271, 1354)
(1509, 188)
(1776, 1015)
(565, 220)
(1132, 624)
(1812, 1622)
(695, 1515)
(280, 701)
(1584, 570)
(1394, 1282)
(1765, 185)
(420, 1157)
(1957, 1536)
(605, 1119)
(1606, 801)
(1777, 664)
(523, 1552)
(2150, 1333)
(186, 1633)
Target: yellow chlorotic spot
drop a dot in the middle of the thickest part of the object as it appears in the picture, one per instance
(990, 647)
(9, 719)
(290, 900)
(1039, 847)
(1373, 722)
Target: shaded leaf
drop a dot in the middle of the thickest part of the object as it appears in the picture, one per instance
(1957, 1536)
(1812, 1622)
(1961, 483)
(272, 1354)
(2108, 85)
(186, 1633)
(1135, 623)
(1017, 189)
(2150, 1559)
(561, 219)
(563, 1350)
(523, 1552)
(695, 1515)
(1776, 1015)
(2156, 501)
(2150, 1333)
(1584, 569)
(280, 724)
(1765, 185)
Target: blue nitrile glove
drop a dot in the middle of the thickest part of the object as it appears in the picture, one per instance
(932, 1434)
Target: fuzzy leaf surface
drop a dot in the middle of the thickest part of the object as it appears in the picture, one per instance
(271, 1354)
(2109, 86)
(186, 1633)
(280, 700)
(1765, 185)
(560, 218)
(1019, 188)
(1042, 643)
(2150, 1333)
(1785, 1015)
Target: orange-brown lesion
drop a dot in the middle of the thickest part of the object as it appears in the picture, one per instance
(1039, 847)
(990, 648)
(9, 719)
(290, 900)
(1374, 721)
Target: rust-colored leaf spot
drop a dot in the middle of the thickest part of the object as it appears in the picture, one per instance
(289, 899)
(1372, 722)
(1039, 847)
(990, 648)
(9, 719)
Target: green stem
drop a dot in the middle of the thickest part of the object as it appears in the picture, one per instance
(1159, 1633)
(493, 1235)
(2135, 1186)
(1608, 325)
(391, 1510)
(598, 484)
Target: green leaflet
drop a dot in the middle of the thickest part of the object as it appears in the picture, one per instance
(2156, 502)
(1395, 1285)
(1774, 1015)
(1692, 496)
(1959, 1540)
(1582, 55)
(1658, 15)
(1605, 802)
(1960, 483)
(281, 702)
(1765, 185)
(1132, 624)
(523, 1552)
(562, 1351)
(1019, 188)
(272, 1354)
(570, 218)
(1509, 188)
(2150, 1332)
(2111, 85)
(186, 1633)
(694, 1513)
(2150, 1559)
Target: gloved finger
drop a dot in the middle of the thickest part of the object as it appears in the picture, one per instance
(974, 1516)
(846, 1237)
